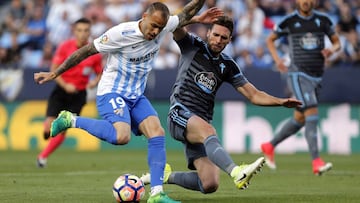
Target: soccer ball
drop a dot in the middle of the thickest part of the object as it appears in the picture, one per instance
(128, 188)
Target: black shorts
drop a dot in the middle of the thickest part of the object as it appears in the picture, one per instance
(177, 121)
(60, 100)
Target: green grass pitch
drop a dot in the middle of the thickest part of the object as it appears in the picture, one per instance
(88, 177)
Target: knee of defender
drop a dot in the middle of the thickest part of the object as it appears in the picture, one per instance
(210, 186)
(122, 139)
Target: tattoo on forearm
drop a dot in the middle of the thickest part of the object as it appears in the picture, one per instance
(76, 58)
(189, 11)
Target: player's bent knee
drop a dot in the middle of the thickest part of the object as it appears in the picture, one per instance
(210, 189)
(210, 186)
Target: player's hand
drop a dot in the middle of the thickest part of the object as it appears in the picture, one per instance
(291, 103)
(43, 77)
(209, 16)
(281, 66)
(326, 53)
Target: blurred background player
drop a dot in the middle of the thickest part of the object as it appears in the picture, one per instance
(131, 47)
(70, 89)
(306, 30)
(203, 69)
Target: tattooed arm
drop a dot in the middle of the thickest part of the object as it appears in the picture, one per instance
(74, 59)
(189, 11)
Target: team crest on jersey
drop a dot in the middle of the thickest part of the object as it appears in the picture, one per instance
(222, 67)
(104, 39)
(206, 81)
(309, 41)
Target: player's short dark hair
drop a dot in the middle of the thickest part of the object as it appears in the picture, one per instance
(224, 21)
(82, 20)
(158, 6)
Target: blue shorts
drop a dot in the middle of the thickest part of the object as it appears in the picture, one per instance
(114, 108)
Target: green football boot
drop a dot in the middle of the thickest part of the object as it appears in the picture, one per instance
(61, 123)
(161, 198)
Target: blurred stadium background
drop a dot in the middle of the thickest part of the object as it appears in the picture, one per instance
(31, 30)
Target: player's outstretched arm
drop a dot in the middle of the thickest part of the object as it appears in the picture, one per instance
(189, 11)
(261, 98)
(74, 59)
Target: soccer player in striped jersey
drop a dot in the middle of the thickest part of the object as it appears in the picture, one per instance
(305, 30)
(131, 46)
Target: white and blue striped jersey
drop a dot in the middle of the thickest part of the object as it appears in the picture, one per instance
(129, 57)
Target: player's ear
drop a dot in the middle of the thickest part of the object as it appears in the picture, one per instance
(208, 33)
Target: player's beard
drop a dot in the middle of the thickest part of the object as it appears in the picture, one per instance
(305, 8)
(215, 49)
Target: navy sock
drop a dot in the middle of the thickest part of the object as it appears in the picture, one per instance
(101, 129)
(156, 159)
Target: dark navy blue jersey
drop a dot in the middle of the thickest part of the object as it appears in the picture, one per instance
(306, 37)
(200, 76)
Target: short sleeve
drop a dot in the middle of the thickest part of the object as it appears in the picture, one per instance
(281, 28)
(329, 28)
(109, 41)
(238, 79)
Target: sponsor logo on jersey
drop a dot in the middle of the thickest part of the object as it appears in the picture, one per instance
(309, 41)
(206, 81)
(144, 58)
